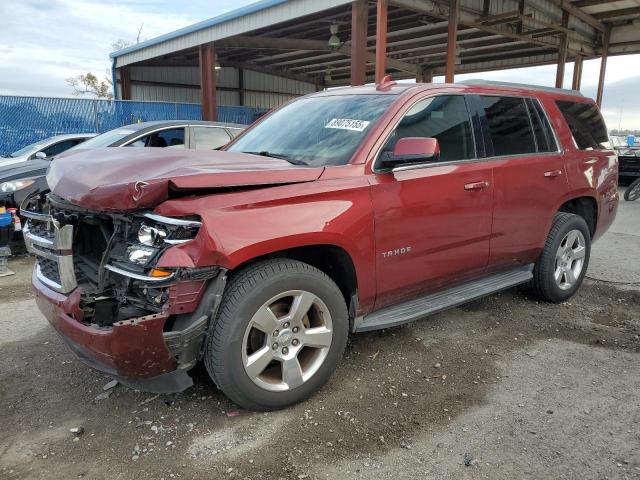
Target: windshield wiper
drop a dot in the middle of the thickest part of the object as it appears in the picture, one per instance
(281, 156)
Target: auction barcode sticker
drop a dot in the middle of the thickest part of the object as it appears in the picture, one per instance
(348, 124)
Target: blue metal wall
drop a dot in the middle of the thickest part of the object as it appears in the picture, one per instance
(24, 120)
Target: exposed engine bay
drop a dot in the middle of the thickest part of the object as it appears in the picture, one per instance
(110, 257)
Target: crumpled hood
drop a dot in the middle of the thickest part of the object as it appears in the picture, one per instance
(120, 179)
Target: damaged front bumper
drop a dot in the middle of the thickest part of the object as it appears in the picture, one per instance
(148, 346)
(138, 352)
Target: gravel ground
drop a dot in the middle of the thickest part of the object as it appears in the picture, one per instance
(502, 388)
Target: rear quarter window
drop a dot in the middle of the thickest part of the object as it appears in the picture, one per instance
(586, 124)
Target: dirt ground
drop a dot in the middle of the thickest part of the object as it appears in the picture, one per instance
(502, 388)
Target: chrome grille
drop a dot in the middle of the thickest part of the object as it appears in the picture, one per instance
(52, 244)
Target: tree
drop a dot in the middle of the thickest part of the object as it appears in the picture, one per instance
(90, 84)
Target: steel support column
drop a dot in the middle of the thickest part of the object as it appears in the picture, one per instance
(424, 75)
(562, 52)
(125, 84)
(207, 56)
(603, 64)
(454, 16)
(577, 73)
(359, 24)
(381, 40)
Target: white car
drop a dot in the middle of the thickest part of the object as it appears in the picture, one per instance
(49, 147)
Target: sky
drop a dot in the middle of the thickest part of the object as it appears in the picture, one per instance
(43, 42)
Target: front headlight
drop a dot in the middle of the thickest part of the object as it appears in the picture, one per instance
(140, 254)
(151, 235)
(15, 185)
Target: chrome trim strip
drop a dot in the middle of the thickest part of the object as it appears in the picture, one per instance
(172, 221)
(32, 238)
(178, 242)
(137, 276)
(48, 282)
(41, 217)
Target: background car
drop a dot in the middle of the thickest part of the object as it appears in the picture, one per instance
(18, 180)
(49, 147)
(628, 159)
(192, 134)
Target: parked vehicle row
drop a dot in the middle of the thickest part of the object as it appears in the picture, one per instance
(343, 211)
(20, 178)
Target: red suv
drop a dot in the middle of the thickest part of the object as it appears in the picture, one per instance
(344, 211)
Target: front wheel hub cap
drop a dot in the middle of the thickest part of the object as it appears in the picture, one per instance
(300, 324)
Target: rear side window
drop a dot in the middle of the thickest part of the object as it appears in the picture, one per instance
(542, 130)
(510, 128)
(209, 138)
(586, 124)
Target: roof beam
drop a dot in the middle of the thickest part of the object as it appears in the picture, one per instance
(581, 14)
(270, 43)
(590, 3)
(438, 9)
(617, 13)
(271, 71)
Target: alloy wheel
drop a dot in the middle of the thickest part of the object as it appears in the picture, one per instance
(570, 258)
(287, 340)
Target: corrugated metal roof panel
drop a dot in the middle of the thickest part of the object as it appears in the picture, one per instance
(246, 19)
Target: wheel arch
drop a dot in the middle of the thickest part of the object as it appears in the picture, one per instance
(585, 207)
(333, 260)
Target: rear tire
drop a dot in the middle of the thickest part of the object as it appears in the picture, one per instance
(632, 192)
(280, 332)
(561, 268)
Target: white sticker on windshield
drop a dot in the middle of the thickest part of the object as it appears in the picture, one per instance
(348, 124)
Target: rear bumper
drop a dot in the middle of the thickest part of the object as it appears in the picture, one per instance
(135, 351)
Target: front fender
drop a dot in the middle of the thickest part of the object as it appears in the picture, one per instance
(240, 226)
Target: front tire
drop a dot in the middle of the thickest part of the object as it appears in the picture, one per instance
(280, 332)
(561, 268)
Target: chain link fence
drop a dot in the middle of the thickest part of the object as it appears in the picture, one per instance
(24, 120)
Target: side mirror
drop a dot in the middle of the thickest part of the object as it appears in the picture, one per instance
(41, 155)
(412, 150)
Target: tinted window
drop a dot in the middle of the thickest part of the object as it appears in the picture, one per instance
(209, 138)
(59, 147)
(586, 124)
(445, 118)
(106, 139)
(509, 125)
(541, 128)
(318, 131)
(173, 137)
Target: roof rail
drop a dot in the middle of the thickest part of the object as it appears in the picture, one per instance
(522, 85)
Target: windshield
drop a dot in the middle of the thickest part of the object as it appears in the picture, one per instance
(34, 147)
(315, 131)
(104, 140)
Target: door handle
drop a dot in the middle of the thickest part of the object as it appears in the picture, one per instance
(553, 173)
(476, 185)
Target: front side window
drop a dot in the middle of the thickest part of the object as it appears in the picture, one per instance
(509, 125)
(58, 148)
(209, 138)
(106, 139)
(173, 138)
(586, 124)
(316, 131)
(445, 118)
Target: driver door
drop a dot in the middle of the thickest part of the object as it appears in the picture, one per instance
(432, 220)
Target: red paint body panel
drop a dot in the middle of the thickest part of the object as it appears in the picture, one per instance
(406, 232)
(110, 179)
(133, 349)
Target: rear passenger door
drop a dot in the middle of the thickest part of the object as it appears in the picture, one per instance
(529, 176)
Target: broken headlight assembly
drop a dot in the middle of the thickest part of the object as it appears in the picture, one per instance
(156, 233)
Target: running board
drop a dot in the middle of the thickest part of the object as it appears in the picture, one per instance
(436, 302)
